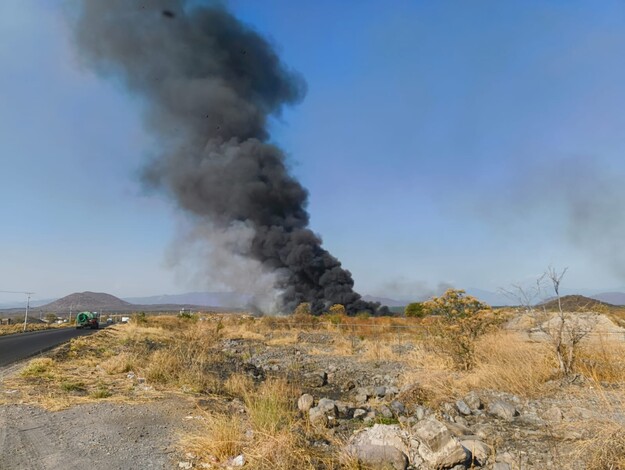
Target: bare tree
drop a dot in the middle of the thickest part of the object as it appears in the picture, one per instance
(526, 296)
(569, 329)
(566, 330)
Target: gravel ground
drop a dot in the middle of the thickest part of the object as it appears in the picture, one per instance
(95, 436)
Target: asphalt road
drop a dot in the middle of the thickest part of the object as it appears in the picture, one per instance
(22, 345)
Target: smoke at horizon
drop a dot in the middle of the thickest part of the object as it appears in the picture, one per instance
(209, 85)
(578, 198)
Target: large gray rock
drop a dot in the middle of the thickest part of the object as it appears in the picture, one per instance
(381, 446)
(440, 449)
(478, 449)
(502, 409)
(379, 457)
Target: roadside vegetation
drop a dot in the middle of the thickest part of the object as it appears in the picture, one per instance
(19, 327)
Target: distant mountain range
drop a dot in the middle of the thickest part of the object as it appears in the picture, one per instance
(499, 299)
(208, 299)
(232, 300)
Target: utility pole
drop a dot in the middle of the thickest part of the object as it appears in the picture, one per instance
(28, 294)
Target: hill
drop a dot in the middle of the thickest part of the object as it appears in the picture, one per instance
(86, 301)
(572, 303)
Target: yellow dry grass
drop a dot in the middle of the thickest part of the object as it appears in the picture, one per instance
(168, 354)
(602, 359)
(19, 327)
(177, 355)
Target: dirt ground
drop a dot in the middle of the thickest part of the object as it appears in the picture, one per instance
(96, 436)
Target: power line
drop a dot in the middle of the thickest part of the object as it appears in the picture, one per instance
(27, 294)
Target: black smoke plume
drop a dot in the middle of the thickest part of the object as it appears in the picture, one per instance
(209, 85)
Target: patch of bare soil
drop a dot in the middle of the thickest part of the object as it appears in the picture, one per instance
(97, 436)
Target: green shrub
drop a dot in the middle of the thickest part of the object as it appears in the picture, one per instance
(415, 309)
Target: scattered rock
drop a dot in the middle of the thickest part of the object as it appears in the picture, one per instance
(502, 409)
(324, 414)
(380, 392)
(361, 398)
(349, 385)
(398, 407)
(315, 379)
(318, 417)
(461, 421)
(479, 451)
(385, 411)
(328, 407)
(458, 429)
(359, 413)
(369, 417)
(440, 449)
(463, 408)
(379, 457)
(554, 414)
(501, 466)
(185, 465)
(473, 401)
(381, 446)
(235, 462)
(305, 402)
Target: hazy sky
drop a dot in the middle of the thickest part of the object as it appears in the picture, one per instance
(471, 143)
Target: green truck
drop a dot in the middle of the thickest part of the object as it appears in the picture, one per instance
(87, 320)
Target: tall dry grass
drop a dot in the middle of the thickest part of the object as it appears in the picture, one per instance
(507, 362)
(601, 359)
(270, 435)
(504, 361)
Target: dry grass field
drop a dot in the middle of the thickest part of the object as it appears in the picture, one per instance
(246, 375)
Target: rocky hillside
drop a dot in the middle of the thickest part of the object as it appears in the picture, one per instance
(86, 301)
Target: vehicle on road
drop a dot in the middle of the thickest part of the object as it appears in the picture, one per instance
(87, 320)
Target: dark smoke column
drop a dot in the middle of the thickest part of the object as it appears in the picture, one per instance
(209, 84)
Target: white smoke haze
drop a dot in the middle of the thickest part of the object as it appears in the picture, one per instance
(211, 257)
(402, 288)
(578, 199)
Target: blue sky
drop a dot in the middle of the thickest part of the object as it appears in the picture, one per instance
(471, 143)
